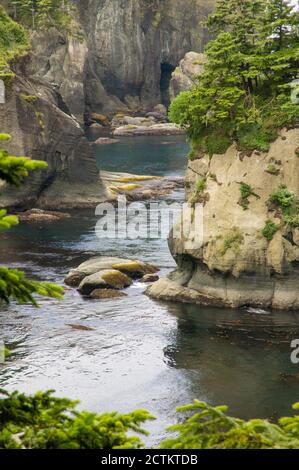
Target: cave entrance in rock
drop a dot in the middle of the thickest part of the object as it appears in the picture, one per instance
(166, 72)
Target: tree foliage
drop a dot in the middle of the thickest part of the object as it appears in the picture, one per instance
(40, 14)
(43, 421)
(244, 92)
(13, 283)
(210, 427)
(46, 422)
(14, 42)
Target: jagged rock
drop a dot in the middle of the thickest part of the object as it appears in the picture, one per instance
(184, 75)
(104, 279)
(80, 327)
(235, 265)
(59, 61)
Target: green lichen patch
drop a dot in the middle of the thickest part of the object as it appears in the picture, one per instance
(272, 169)
(232, 240)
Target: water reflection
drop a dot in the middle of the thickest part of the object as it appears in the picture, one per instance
(238, 358)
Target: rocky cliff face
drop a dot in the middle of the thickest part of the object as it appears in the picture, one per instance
(40, 129)
(237, 265)
(124, 62)
(128, 54)
(135, 45)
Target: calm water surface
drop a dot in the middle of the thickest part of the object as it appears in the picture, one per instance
(140, 353)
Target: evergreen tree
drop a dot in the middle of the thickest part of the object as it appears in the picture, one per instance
(13, 283)
(244, 93)
(38, 14)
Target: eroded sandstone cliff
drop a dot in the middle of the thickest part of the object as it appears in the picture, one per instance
(237, 265)
(128, 52)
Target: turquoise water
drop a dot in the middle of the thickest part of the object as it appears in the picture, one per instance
(162, 156)
(140, 353)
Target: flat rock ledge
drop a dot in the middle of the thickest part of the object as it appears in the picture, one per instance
(276, 294)
(105, 277)
(155, 129)
(139, 187)
(171, 291)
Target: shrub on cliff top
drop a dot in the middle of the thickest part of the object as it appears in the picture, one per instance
(245, 88)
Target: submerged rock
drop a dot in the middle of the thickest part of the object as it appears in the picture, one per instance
(107, 294)
(38, 215)
(80, 327)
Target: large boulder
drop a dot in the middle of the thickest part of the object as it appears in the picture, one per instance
(105, 279)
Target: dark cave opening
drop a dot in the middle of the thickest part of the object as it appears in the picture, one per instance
(166, 72)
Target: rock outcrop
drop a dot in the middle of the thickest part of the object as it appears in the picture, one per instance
(42, 130)
(185, 74)
(237, 264)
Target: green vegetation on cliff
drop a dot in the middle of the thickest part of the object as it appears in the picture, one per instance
(245, 92)
(288, 204)
(14, 42)
(40, 14)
